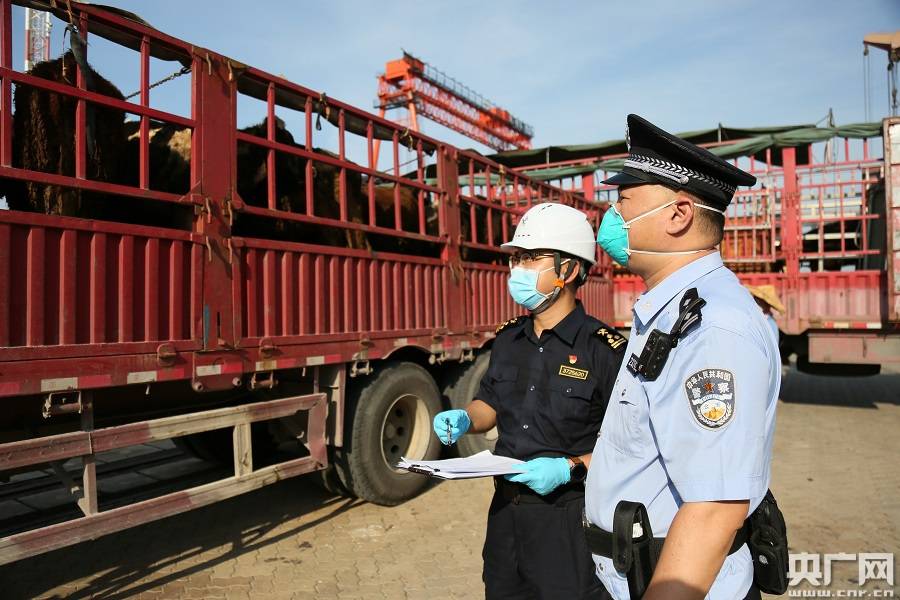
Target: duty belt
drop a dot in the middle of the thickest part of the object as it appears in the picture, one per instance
(600, 541)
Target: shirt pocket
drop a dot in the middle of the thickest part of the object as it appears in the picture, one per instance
(622, 424)
(505, 374)
(568, 406)
(506, 383)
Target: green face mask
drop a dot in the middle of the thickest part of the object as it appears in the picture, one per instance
(613, 233)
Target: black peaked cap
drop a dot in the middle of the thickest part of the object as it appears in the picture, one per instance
(657, 156)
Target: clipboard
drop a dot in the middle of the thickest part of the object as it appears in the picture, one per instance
(483, 464)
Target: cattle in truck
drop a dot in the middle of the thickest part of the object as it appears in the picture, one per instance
(44, 125)
(44, 134)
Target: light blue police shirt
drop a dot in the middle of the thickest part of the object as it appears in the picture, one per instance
(773, 325)
(703, 430)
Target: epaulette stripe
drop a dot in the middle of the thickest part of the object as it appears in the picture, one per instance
(506, 324)
(612, 338)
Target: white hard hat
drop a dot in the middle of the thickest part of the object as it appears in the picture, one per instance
(554, 226)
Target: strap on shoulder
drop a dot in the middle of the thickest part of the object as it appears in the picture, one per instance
(689, 314)
(656, 349)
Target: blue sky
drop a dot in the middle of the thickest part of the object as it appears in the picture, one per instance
(572, 70)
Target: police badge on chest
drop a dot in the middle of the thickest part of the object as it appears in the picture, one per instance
(711, 396)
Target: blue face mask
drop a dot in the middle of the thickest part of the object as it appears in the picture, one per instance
(522, 286)
(613, 233)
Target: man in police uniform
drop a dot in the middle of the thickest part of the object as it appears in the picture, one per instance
(688, 435)
(546, 388)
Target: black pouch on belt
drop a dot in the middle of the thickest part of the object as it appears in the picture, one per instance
(769, 546)
(632, 551)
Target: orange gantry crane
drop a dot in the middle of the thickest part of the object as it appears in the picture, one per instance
(411, 83)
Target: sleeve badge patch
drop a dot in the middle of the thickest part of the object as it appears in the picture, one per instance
(710, 393)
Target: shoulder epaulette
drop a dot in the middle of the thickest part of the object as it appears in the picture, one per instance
(611, 338)
(509, 323)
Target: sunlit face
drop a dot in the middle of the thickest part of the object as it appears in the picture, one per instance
(636, 200)
(537, 260)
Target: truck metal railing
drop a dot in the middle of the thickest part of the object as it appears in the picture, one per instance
(148, 42)
(834, 207)
(156, 301)
(816, 231)
(314, 106)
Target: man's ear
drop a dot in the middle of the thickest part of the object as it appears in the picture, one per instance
(681, 217)
(575, 272)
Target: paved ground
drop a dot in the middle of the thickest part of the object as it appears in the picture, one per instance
(835, 469)
(836, 478)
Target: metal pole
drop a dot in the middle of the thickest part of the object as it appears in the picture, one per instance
(37, 37)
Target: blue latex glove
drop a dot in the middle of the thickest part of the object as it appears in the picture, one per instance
(459, 423)
(544, 474)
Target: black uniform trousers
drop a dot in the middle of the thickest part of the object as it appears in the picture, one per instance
(535, 547)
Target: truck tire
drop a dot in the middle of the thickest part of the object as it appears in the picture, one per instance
(389, 415)
(329, 480)
(460, 388)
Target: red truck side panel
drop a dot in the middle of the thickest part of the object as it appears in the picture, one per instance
(75, 282)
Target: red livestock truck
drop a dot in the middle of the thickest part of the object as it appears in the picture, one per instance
(287, 299)
(822, 225)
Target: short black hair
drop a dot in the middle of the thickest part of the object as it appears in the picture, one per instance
(711, 223)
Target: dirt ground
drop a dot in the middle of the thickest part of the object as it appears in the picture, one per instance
(835, 476)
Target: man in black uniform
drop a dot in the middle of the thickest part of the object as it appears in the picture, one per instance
(546, 390)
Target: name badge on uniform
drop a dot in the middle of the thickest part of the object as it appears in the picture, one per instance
(572, 372)
(633, 364)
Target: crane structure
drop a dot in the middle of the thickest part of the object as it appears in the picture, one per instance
(37, 37)
(890, 43)
(411, 83)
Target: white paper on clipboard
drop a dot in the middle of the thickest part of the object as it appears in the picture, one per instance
(483, 464)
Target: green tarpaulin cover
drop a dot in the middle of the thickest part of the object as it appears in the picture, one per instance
(747, 142)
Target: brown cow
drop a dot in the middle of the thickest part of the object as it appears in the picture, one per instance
(409, 209)
(44, 140)
(290, 192)
(46, 121)
(170, 156)
(409, 220)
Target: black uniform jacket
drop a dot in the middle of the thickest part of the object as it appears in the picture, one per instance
(550, 393)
